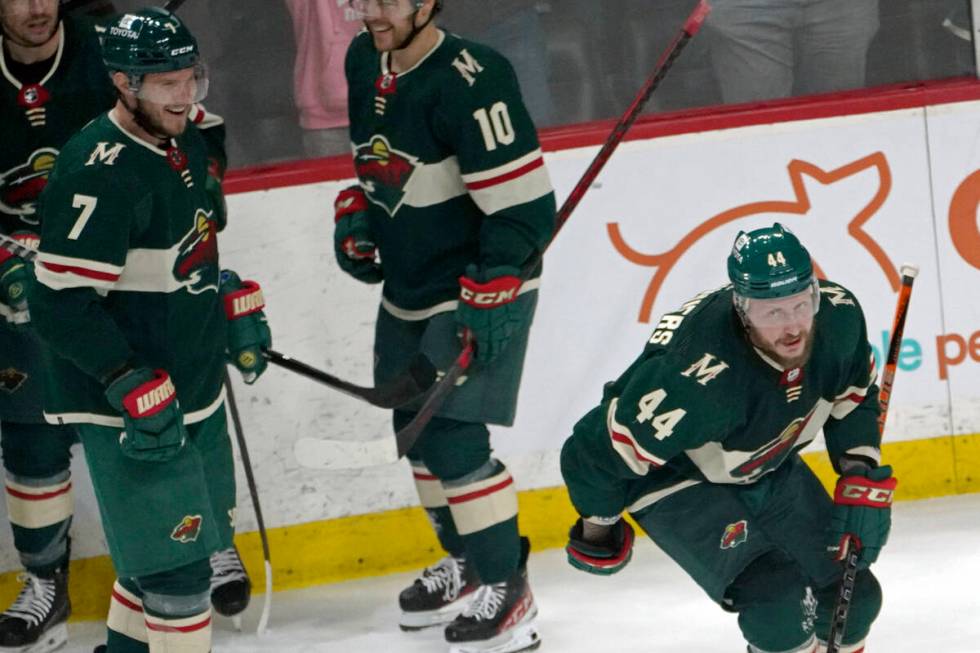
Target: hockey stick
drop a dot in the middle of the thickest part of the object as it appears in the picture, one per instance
(253, 490)
(845, 591)
(173, 5)
(334, 454)
(409, 385)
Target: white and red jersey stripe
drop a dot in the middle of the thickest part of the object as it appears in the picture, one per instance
(517, 182)
(59, 272)
(481, 504)
(639, 460)
(38, 507)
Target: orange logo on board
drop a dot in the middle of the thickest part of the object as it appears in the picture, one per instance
(798, 205)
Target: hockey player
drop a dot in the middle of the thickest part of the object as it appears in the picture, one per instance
(53, 83)
(698, 440)
(57, 84)
(455, 199)
(137, 323)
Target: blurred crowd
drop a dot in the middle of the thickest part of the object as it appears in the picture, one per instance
(277, 65)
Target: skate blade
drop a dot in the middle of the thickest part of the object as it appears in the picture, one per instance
(51, 640)
(412, 621)
(523, 637)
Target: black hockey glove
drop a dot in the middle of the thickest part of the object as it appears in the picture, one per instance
(604, 557)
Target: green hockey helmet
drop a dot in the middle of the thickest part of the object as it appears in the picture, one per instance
(769, 263)
(153, 40)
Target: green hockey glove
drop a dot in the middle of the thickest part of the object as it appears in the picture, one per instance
(154, 423)
(489, 310)
(16, 279)
(248, 330)
(353, 243)
(604, 556)
(862, 515)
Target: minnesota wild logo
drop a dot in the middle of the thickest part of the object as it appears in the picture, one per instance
(22, 185)
(197, 257)
(384, 172)
(770, 455)
(187, 530)
(735, 534)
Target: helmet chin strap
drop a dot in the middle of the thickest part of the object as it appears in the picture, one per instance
(415, 30)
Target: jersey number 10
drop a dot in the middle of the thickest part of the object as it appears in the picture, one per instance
(495, 125)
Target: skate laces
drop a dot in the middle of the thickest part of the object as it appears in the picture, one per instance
(34, 601)
(226, 567)
(446, 575)
(487, 602)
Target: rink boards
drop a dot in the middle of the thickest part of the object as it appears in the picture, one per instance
(893, 180)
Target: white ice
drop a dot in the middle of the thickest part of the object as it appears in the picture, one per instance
(930, 572)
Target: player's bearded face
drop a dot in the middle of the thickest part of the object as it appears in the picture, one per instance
(783, 328)
(29, 23)
(164, 101)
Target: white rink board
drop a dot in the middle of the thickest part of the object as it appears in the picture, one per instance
(589, 325)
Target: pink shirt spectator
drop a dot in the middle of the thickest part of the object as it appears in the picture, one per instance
(323, 30)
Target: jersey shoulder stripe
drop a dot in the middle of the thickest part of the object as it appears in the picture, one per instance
(517, 182)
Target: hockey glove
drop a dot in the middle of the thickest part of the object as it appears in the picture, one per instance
(603, 557)
(489, 310)
(248, 330)
(862, 514)
(352, 239)
(154, 423)
(16, 278)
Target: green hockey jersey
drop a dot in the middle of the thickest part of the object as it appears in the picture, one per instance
(451, 164)
(37, 117)
(703, 404)
(128, 272)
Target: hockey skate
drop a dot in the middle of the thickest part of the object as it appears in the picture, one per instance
(438, 595)
(231, 588)
(500, 619)
(36, 622)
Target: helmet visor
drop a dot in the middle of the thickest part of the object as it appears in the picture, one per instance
(783, 311)
(185, 86)
(383, 8)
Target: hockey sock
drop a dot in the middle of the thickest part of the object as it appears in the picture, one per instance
(40, 513)
(177, 608)
(437, 508)
(484, 509)
(38, 493)
(126, 624)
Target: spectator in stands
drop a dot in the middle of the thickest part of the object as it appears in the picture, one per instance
(323, 30)
(514, 29)
(766, 49)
